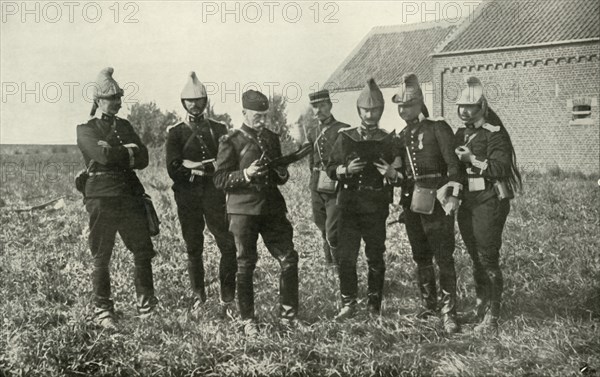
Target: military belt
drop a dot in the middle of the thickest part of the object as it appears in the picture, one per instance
(429, 176)
(201, 173)
(362, 188)
(116, 173)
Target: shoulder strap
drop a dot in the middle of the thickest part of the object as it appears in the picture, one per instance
(89, 167)
(470, 138)
(247, 146)
(316, 143)
(196, 135)
(251, 137)
(189, 140)
(412, 167)
(244, 150)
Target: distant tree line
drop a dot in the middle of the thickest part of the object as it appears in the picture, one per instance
(151, 122)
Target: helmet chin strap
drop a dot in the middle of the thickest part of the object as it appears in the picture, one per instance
(473, 121)
(188, 111)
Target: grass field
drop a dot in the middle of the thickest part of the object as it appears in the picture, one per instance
(550, 321)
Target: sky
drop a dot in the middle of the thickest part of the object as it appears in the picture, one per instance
(51, 52)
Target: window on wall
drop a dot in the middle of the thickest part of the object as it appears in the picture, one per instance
(581, 110)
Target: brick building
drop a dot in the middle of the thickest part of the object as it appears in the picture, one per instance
(539, 63)
(385, 53)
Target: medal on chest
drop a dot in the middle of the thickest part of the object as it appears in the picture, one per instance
(420, 137)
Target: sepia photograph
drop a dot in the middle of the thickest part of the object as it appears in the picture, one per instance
(300, 188)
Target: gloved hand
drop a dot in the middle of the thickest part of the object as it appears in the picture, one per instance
(386, 169)
(451, 205)
(356, 166)
(256, 169)
(464, 154)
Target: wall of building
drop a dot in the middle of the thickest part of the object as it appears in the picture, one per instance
(532, 91)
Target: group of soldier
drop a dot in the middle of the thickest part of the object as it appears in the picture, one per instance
(223, 179)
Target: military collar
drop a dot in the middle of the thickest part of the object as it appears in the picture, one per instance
(191, 119)
(327, 122)
(372, 132)
(108, 118)
(365, 127)
(476, 125)
(249, 130)
(414, 124)
(416, 121)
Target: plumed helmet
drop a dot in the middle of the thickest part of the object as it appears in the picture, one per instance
(193, 89)
(409, 91)
(371, 96)
(105, 87)
(472, 95)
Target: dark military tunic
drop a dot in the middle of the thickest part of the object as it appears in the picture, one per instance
(482, 215)
(430, 146)
(113, 198)
(256, 206)
(102, 141)
(364, 200)
(237, 151)
(199, 202)
(367, 191)
(324, 205)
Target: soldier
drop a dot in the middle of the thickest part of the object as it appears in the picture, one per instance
(255, 206)
(429, 163)
(366, 189)
(323, 190)
(488, 159)
(191, 157)
(113, 198)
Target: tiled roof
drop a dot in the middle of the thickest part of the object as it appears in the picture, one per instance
(388, 52)
(512, 23)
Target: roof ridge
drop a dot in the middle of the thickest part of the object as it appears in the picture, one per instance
(384, 29)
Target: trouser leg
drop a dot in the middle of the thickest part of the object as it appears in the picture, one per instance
(348, 246)
(277, 234)
(466, 224)
(216, 220)
(488, 224)
(374, 234)
(439, 230)
(191, 218)
(101, 241)
(423, 257)
(136, 237)
(245, 230)
(331, 226)
(320, 218)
